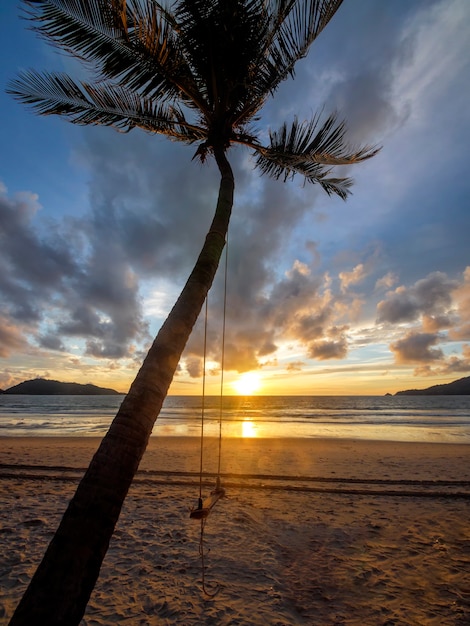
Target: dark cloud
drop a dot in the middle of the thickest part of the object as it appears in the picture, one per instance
(34, 260)
(259, 306)
(152, 212)
(328, 349)
(51, 342)
(48, 280)
(104, 306)
(194, 367)
(107, 348)
(452, 365)
(437, 304)
(434, 323)
(430, 296)
(366, 102)
(241, 356)
(148, 199)
(458, 364)
(417, 347)
(32, 266)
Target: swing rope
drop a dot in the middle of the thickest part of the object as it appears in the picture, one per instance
(203, 399)
(210, 594)
(218, 488)
(222, 362)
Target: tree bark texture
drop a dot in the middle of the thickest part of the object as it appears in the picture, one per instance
(61, 587)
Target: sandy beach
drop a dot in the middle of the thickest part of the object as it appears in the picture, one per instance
(311, 531)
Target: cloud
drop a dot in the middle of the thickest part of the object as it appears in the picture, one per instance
(458, 364)
(335, 348)
(104, 305)
(194, 367)
(417, 347)
(461, 330)
(453, 365)
(241, 356)
(439, 55)
(150, 209)
(295, 366)
(301, 307)
(386, 281)
(430, 296)
(11, 338)
(33, 266)
(426, 309)
(51, 342)
(148, 199)
(51, 285)
(353, 277)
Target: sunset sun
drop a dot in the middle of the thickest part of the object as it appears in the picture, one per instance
(247, 384)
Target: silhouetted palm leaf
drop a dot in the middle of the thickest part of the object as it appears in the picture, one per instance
(307, 148)
(105, 104)
(132, 43)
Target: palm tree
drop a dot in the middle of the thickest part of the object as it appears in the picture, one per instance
(197, 71)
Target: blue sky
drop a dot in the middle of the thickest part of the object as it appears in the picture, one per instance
(99, 230)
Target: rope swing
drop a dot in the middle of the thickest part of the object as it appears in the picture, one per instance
(205, 506)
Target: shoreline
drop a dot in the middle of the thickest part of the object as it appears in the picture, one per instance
(330, 538)
(356, 458)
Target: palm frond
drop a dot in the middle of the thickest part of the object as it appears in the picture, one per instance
(296, 25)
(292, 26)
(154, 37)
(321, 143)
(222, 42)
(281, 166)
(126, 41)
(310, 149)
(93, 31)
(104, 104)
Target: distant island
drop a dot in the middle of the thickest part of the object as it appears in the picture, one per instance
(43, 387)
(459, 387)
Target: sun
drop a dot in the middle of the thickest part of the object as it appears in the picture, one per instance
(247, 384)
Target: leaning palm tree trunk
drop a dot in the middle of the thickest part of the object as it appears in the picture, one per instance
(61, 587)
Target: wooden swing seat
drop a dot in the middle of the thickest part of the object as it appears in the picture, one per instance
(205, 508)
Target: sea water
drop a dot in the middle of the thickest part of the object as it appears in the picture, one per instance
(393, 418)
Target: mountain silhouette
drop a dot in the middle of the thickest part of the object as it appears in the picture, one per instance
(43, 387)
(460, 387)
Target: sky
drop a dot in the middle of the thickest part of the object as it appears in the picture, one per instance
(99, 230)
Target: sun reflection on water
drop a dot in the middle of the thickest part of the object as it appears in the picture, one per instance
(249, 428)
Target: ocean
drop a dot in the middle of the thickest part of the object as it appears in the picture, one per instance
(443, 419)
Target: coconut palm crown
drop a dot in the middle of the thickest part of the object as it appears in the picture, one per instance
(197, 71)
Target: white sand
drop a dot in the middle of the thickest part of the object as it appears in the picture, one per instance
(316, 552)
